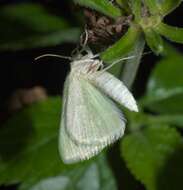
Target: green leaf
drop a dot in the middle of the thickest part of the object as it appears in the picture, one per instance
(152, 5)
(124, 4)
(167, 6)
(53, 183)
(30, 25)
(92, 176)
(29, 154)
(136, 6)
(154, 41)
(103, 6)
(172, 33)
(154, 156)
(136, 120)
(165, 86)
(28, 143)
(162, 7)
(65, 36)
(173, 120)
(123, 46)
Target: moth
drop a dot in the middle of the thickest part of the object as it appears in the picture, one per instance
(90, 120)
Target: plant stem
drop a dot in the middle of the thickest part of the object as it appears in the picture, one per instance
(131, 66)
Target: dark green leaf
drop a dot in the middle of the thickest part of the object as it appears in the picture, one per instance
(165, 86)
(174, 120)
(30, 25)
(28, 144)
(29, 154)
(170, 32)
(152, 5)
(52, 39)
(103, 6)
(53, 183)
(124, 4)
(92, 176)
(122, 47)
(154, 156)
(136, 6)
(154, 41)
(167, 6)
(137, 120)
(162, 7)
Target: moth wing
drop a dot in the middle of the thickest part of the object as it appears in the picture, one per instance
(92, 118)
(69, 151)
(115, 89)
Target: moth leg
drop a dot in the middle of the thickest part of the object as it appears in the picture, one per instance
(101, 66)
(84, 38)
(95, 66)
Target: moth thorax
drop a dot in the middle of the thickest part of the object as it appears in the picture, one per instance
(86, 65)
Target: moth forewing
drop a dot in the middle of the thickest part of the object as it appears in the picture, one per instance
(71, 152)
(114, 88)
(92, 118)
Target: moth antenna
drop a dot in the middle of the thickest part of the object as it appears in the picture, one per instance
(52, 55)
(122, 59)
(119, 60)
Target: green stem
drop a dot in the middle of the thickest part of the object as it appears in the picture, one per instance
(131, 66)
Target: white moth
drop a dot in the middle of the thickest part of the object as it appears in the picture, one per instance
(90, 120)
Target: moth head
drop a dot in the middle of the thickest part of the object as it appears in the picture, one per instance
(85, 62)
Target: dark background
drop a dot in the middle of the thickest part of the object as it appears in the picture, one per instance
(19, 70)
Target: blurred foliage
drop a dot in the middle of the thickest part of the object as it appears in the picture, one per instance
(29, 143)
(29, 154)
(152, 149)
(102, 6)
(165, 86)
(29, 25)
